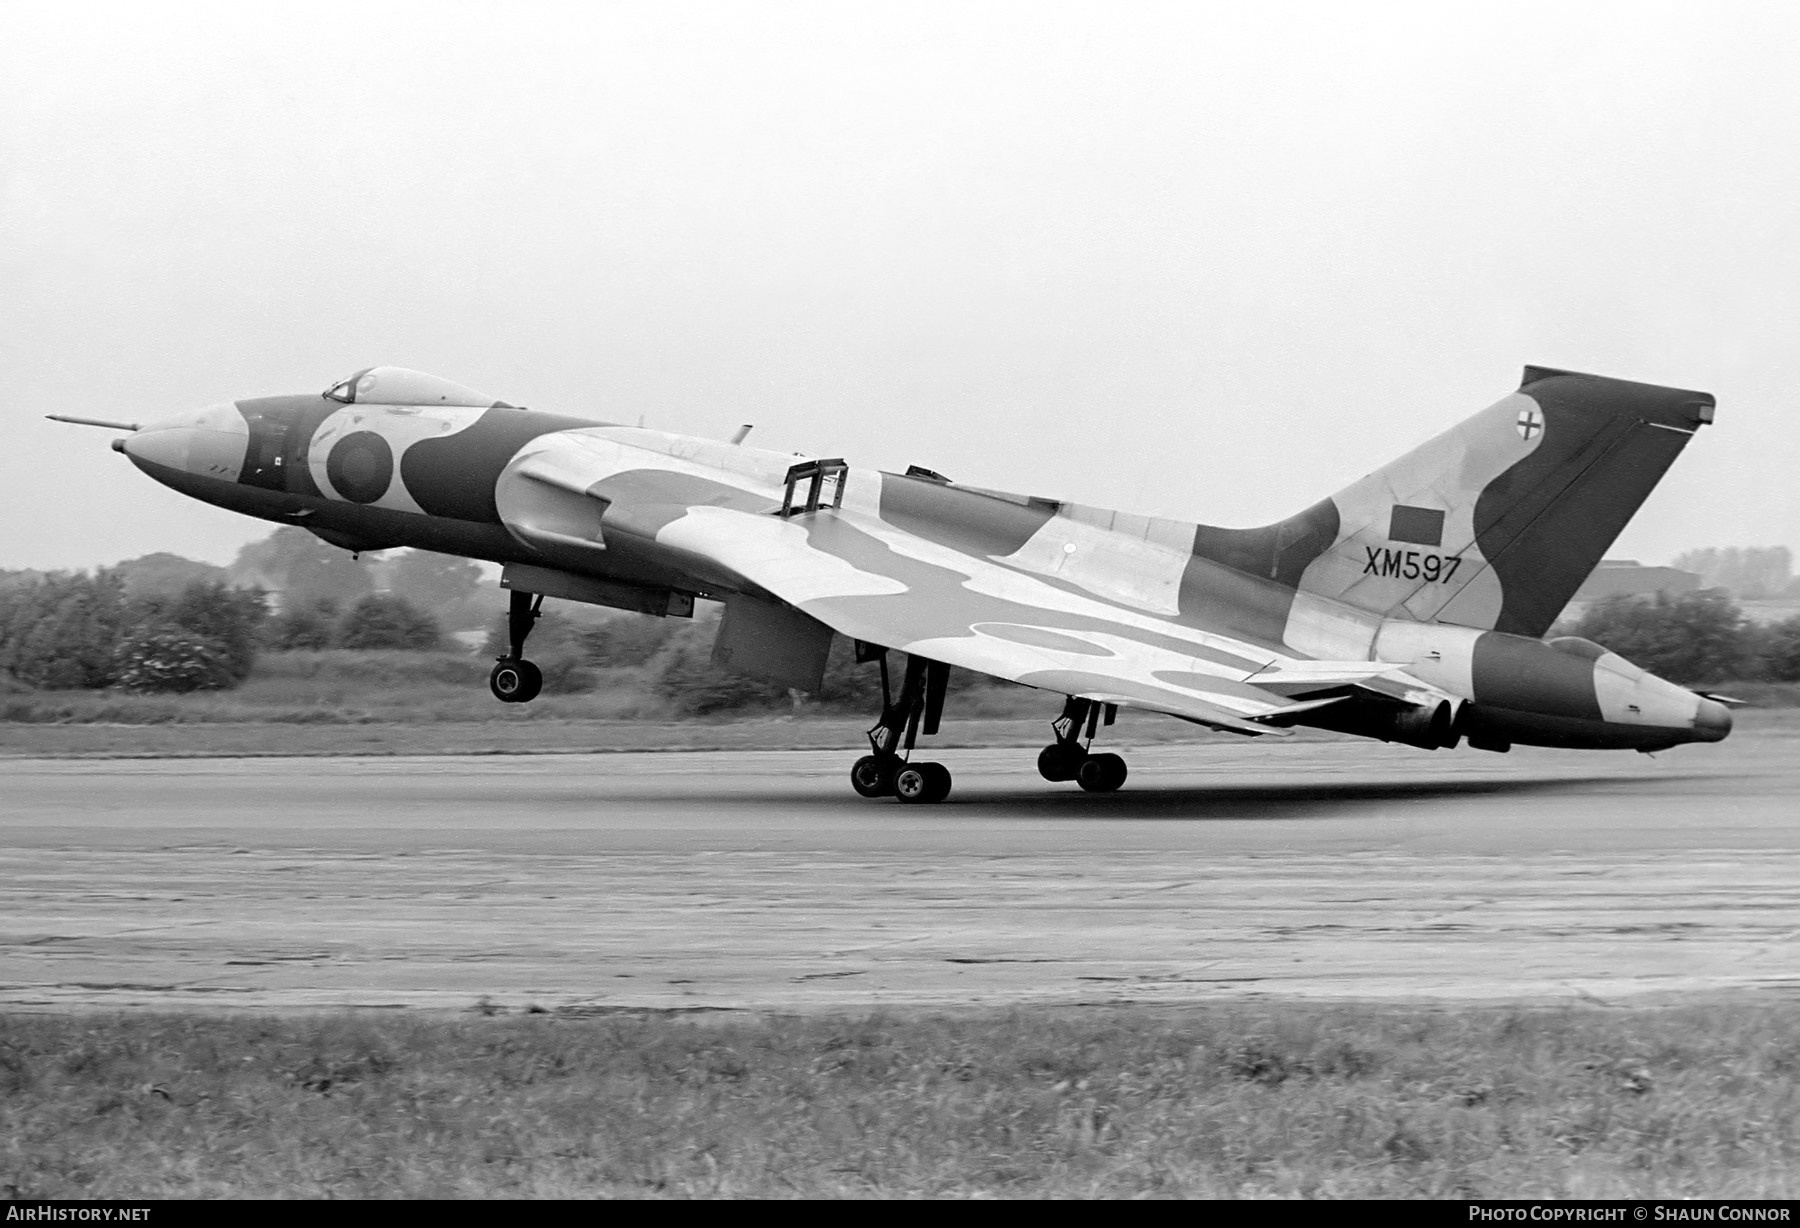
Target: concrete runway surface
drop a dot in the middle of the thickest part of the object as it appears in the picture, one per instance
(1321, 870)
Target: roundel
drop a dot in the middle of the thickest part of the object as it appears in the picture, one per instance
(360, 466)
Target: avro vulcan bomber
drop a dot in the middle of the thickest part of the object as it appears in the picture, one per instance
(1408, 607)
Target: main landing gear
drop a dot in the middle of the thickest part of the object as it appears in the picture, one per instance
(887, 771)
(1068, 758)
(516, 680)
(884, 772)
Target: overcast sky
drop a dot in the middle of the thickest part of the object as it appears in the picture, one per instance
(1205, 261)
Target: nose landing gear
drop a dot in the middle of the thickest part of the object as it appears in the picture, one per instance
(1068, 758)
(516, 680)
(884, 772)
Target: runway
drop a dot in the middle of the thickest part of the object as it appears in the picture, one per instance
(756, 880)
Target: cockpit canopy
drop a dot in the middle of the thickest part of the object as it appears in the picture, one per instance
(400, 386)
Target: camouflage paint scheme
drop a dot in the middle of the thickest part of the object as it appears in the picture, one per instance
(1406, 607)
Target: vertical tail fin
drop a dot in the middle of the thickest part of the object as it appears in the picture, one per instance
(1495, 523)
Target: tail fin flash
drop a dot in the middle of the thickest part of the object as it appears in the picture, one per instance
(1495, 523)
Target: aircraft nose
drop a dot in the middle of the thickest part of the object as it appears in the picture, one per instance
(206, 443)
(159, 443)
(1712, 720)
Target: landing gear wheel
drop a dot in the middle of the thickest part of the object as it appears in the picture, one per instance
(922, 783)
(515, 682)
(1060, 761)
(938, 777)
(1101, 773)
(873, 775)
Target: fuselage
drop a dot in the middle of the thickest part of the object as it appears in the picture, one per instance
(459, 473)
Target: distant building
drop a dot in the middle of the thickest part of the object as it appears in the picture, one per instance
(1628, 578)
(1772, 610)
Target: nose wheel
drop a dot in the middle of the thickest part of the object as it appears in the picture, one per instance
(1068, 758)
(516, 680)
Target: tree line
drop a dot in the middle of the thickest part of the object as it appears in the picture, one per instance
(75, 631)
(1693, 638)
(115, 628)
(81, 631)
(165, 623)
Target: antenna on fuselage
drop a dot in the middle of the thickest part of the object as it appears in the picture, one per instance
(742, 431)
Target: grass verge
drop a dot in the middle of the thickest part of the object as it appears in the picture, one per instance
(1295, 1100)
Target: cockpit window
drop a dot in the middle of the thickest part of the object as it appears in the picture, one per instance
(400, 386)
(345, 389)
